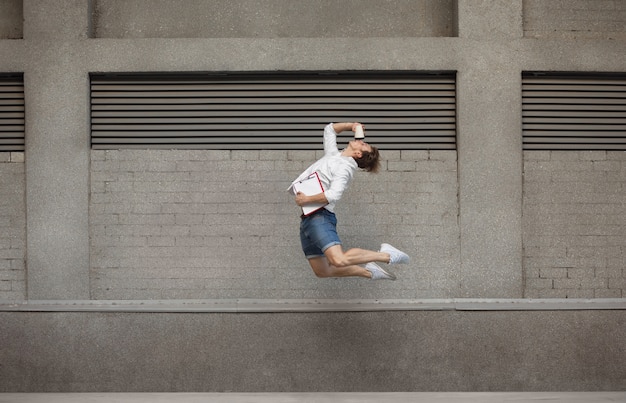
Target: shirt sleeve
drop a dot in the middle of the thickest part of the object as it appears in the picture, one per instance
(341, 179)
(330, 140)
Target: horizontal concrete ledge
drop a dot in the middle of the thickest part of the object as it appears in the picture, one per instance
(340, 397)
(310, 305)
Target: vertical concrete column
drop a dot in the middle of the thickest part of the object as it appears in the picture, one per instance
(57, 150)
(490, 151)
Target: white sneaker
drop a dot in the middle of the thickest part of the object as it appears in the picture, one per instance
(395, 256)
(378, 273)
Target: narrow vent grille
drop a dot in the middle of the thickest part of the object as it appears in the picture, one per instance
(270, 110)
(11, 112)
(574, 111)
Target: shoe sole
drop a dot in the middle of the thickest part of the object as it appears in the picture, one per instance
(390, 276)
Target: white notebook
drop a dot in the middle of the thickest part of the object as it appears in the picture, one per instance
(310, 186)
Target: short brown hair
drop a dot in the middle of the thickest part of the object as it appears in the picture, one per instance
(369, 160)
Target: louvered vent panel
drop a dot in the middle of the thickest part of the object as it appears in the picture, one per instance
(574, 111)
(270, 110)
(11, 113)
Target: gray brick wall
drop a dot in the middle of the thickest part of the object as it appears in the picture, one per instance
(575, 224)
(575, 19)
(12, 226)
(220, 224)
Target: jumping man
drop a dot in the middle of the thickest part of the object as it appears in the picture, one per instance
(318, 231)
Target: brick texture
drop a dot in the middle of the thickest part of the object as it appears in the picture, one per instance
(12, 227)
(575, 19)
(219, 224)
(574, 224)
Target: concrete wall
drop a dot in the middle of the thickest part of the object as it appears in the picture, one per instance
(575, 19)
(342, 352)
(220, 224)
(11, 19)
(463, 224)
(574, 224)
(12, 226)
(272, 18)
(478, 221)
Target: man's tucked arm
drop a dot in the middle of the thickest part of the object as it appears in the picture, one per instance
(303, 200)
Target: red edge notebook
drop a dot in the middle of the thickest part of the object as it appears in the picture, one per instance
(310, 186)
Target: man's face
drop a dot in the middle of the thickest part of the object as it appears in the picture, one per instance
(360, 146)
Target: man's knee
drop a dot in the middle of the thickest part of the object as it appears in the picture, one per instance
(336, 257)
(321, 267)
(322, 271)
(338, 260)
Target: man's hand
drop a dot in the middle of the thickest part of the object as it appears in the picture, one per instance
(355, 124)
(303, 200)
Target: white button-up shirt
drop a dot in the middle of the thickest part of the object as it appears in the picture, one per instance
(335, 171)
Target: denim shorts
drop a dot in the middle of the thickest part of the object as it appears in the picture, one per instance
(318, 232)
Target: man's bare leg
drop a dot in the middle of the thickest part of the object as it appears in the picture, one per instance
(355, 256)
(337, 263)
(322, 268)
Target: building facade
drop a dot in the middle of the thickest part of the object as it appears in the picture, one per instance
(495, 216)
